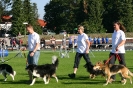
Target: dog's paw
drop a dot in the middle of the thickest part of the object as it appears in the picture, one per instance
(5, 79)
(105, 84)
(46, 82)
(31, 84)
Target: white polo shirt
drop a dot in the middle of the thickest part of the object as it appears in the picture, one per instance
(81, 43)
(117, 37)
(32, 40)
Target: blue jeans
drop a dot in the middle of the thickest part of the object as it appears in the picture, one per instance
(33, 59)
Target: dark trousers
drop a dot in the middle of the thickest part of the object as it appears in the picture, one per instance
(115, 57)
(78, 58)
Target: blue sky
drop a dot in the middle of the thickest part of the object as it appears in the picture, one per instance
(40, 6)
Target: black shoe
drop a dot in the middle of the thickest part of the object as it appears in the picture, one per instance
(71, 75)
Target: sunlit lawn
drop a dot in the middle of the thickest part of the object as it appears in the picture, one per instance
(65, 67)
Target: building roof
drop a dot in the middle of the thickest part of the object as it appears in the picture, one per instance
(42, 22)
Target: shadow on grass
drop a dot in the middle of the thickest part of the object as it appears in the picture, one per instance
(80, 80)
(84, 82)
(19, 82)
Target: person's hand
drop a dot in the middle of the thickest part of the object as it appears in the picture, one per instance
(23, 49)
(87, 51)
(32, 54)
(117, 48)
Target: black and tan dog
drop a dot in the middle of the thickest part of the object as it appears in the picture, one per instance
(110, 70)
(93, 73)
(44, 71)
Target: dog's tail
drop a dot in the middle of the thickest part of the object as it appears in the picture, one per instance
(55, 60)
(130, 73)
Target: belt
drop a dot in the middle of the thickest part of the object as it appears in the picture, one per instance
(36, 50)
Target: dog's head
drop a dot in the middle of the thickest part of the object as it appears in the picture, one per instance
(89, 67)
(30, 67)
(54, 58)
(98, 66)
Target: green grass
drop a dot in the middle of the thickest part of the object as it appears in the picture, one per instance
(82, 79)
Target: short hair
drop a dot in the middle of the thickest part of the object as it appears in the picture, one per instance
(29, 25)
(82, 27)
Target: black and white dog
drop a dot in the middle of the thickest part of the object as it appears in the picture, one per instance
(7, 69)
(45, 71)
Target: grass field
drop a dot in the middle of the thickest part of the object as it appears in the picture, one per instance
(65, 67)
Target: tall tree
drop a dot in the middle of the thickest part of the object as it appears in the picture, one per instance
(27, 11)
(17, 17)
(61, 14)
(118, 10)
(4, 6)
(31, 15)
(95, 13)
(34, 18)
(126, 14)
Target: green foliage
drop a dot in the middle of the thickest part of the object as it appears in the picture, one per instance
(118, 10)
(97, 15)
(4, 5)
(24, 11)
(17, 18)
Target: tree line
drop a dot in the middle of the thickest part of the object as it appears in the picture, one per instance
(96, 15)
(22, 11)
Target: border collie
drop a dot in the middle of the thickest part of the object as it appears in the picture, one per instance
(45, 71)
(7, 69)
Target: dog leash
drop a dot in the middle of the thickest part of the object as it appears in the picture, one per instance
(16, 56)
(10, 58)
(118, 57)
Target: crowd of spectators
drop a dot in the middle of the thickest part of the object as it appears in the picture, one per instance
(71, 42)
(98, 42)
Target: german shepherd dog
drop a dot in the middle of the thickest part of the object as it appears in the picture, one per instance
(110, 69)
(45, 71)
(93, 73)
(7, 69)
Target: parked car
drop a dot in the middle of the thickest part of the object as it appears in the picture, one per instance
(63, 32)
(48, 32)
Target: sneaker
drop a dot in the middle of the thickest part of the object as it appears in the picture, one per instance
(71, 75)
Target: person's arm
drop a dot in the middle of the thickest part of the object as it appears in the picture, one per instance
(121, 43)
(37, 40)
(88, 45)
(36, 47)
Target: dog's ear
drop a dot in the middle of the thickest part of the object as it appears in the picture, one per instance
(104, 61)
(99, 62)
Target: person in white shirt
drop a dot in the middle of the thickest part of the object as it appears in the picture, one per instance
(118, 49)
(33, 47)
(83, 46)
